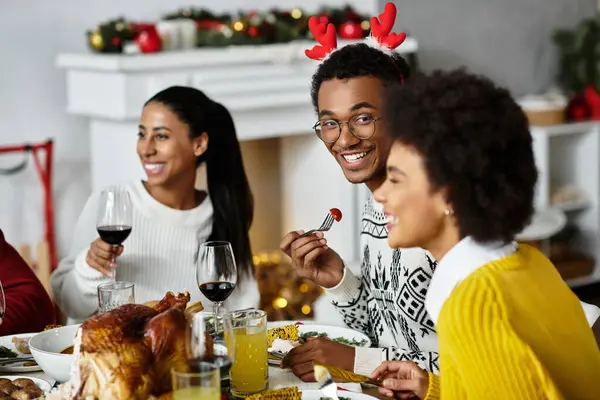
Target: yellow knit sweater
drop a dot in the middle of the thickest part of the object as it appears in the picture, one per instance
(513, 330)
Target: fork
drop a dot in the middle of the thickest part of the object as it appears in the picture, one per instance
(15, 360)
(325, 226)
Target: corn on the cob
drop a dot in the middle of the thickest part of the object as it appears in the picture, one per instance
(289, 393)
(288, 332)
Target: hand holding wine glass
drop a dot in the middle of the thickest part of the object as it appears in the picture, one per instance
(216, 272)
(114, 226)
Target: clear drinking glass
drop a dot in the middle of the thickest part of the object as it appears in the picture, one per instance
(201, 385)
(204, 330)
(216, 272)
(2, 303)
(250, 372)
(114, 294)
(115, 216)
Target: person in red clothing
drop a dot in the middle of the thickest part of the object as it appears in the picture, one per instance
(28, 306)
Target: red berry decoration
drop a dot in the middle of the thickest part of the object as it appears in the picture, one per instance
(351, 30)
(337, 214)
(148, 41)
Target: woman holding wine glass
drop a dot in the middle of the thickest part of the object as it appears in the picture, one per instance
(179, 130)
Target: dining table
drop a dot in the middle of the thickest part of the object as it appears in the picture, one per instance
(278, 378)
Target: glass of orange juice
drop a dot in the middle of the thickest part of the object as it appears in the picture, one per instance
(250, 370)
(200, 382)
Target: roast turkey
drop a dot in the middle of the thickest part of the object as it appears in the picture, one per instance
(128, 353)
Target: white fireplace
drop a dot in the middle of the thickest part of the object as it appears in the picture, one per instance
(266, 88)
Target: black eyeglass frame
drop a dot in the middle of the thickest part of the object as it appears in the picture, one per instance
(340, 125)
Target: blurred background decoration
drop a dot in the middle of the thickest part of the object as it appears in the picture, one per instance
(579, 68)
(199, 27)
(283, 294)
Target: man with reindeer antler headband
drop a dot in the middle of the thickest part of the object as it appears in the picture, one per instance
(387, 302)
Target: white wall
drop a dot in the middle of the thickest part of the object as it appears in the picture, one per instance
(32, 98)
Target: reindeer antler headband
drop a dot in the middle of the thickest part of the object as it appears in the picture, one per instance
(381, 36)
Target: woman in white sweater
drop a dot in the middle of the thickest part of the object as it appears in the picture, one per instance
(170, 217)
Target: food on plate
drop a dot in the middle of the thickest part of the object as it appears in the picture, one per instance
(341, 375)
(19, 389)
(21, 344)
(289, 393)
(287, 332)
(23, 382)
(5, 352)
(48, 327)
(352, 342)
(192, 308)
(128, 352)
(68, 350)
(337, 214)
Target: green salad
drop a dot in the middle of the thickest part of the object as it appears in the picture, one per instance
(5, 352)
(356, 343)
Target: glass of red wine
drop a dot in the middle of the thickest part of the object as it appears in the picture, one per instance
(115, 216)
(211, 340)
(2, 303)
(216, 272)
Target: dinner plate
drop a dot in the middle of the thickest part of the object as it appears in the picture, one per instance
(317, 395)
(42, 384)
(6, 341)
(332, 332)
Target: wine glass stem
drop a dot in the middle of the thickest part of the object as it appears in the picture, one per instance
(216, 307)
(113, 260)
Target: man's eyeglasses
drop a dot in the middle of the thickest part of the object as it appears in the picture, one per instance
(361, 126)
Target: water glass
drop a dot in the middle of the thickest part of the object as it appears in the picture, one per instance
(114, 294)
(250, 370)
(202, 384)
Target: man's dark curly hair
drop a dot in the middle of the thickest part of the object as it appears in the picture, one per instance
(475, 143)
(358, 60)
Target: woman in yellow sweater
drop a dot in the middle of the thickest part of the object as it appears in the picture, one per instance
(460, 183)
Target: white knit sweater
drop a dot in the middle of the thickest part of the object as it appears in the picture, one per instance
(158, 256)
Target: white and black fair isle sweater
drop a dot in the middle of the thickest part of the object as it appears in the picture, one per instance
(387, 303)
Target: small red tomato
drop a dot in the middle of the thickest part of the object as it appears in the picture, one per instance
(337, 214)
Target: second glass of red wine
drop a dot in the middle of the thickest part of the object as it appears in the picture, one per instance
(115, 216)
(216, 272)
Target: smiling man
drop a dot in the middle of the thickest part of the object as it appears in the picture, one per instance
(387, 302)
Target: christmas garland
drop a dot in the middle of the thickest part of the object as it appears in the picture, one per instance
(191, 27)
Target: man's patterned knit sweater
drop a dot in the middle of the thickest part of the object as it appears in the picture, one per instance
(387, 303)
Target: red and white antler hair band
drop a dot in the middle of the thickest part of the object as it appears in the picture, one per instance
(381, 37)
(325, 34)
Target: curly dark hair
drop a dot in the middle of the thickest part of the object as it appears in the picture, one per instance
(475, 143)
(358, 60)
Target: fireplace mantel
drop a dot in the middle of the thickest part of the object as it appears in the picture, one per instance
(266, 88)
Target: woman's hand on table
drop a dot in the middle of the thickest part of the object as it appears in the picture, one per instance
(100, 256)
(300, 359)
(313, 259)
(402, 379)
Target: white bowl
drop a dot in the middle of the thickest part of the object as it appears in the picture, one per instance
(46, 347)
